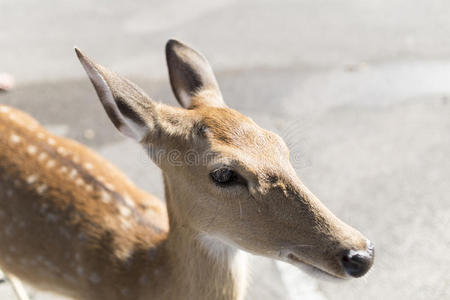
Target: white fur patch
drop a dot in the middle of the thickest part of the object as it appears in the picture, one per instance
(224, 251)
(129, 201)
(106, 197)
(15, 138)
(41, 189)
(32, 178)
(61, 150)
(124, 211)
(42, 156)
(50, 164)
(95, 278)
(109, 186)
(32, 149)
(4, 109)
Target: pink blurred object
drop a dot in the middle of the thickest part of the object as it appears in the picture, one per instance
(6, 82)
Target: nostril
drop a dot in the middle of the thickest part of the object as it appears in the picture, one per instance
(357, 263)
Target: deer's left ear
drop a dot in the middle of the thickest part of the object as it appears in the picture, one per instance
(191, 77)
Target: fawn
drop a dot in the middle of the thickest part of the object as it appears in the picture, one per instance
(74, 224)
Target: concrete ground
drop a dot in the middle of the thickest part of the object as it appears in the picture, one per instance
(360, 90)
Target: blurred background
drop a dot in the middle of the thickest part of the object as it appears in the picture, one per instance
(359, 89)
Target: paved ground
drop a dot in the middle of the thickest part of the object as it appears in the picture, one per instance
(360, 90)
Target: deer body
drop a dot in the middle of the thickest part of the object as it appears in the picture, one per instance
(72, 223)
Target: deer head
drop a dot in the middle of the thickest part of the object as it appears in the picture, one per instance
(228, 179)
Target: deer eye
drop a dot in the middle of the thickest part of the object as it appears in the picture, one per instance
(224, 176)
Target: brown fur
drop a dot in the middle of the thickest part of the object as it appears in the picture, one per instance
(60, 210)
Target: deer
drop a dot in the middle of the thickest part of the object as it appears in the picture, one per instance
(74, 224)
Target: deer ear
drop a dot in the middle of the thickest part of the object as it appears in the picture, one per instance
(191, 77)
(124, 102)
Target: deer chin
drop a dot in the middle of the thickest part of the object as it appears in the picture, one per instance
(311, 270)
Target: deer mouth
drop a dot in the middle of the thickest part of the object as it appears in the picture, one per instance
(312, 270)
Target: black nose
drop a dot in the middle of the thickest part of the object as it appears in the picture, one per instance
(357, 263)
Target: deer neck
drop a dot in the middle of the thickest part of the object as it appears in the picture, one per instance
(202, 267)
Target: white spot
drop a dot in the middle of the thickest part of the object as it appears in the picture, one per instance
(89, 188)
(63, 169)
(42, 156)
(61, 150)
(41, 189)
(51, 141)
(109, 186)
(51, 163)
(9, 229)
(32, 178)
(125, 291)
(32, 149)
(125, 224)
(124, 211)
(65, 232)
(68, 277)
(15, 138)
(143, 280)
(73, 173)
(44, 207)
(40, 135)
(17, 182)
(24, 261)
(129, 201)
(52, 218)
(95, 278)
(12, 117)
(4, 109)
(82, 236)
(101, 178)
(106, 197)
(50, 265)
(79, 181)
(88, 166)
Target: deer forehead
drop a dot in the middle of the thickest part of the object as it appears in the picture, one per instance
(229, 128)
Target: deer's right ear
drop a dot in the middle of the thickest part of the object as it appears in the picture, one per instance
(125, 103)
(191, 77)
